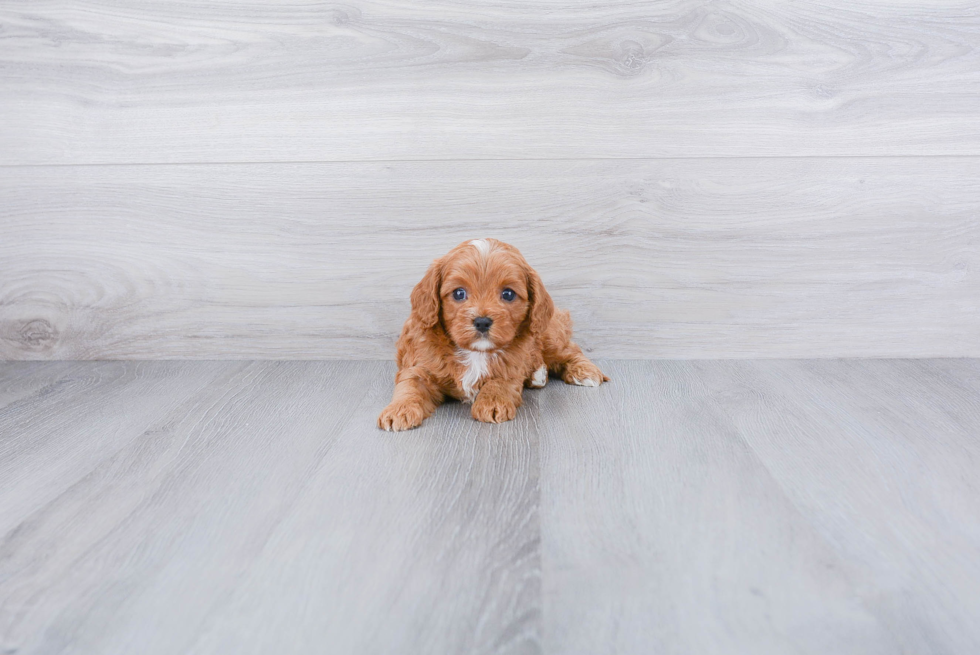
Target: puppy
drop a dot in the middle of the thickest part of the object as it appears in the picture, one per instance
(482, 327)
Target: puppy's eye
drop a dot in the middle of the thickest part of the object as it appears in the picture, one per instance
(459, 294)
(508, 295)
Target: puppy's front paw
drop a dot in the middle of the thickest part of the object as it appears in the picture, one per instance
(584, 374)
(538, 379)
(400, 416)
(491, 408)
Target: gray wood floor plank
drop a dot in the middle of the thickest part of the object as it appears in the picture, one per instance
(699, 259)
(128, 82)
(277, 474)
(425, 542)
(19, 380)
(146, 526)
(882, 458)
(52, 439)
(663, 532)
(688, 506)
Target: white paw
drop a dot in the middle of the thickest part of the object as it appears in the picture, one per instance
(539, 378)
(587, 382)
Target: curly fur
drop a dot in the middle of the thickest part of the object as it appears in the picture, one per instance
(441, 354)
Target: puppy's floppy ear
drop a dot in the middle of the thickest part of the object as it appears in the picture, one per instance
(542, 307)
(426, 301)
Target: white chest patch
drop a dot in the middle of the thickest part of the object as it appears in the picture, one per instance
(477, 364)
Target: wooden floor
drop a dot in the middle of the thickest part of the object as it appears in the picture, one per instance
(693, 179)
(687, 507)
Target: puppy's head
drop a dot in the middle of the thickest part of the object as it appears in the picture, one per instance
(485, 294)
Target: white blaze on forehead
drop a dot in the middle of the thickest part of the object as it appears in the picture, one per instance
(482, 246)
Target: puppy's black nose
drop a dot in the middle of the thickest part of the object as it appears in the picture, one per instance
(482, 323)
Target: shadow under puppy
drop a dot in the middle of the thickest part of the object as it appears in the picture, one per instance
(482, 328)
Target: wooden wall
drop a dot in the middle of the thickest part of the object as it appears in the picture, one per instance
(692, 179)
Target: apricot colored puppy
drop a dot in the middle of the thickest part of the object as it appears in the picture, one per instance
(482, 328)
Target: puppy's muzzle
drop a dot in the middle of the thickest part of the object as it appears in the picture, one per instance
(482, 324)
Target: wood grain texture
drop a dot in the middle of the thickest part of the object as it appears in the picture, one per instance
(686, 507)
(881, 457)
(666, 258)
(763, 507)
(262, 511)
(217, 81)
